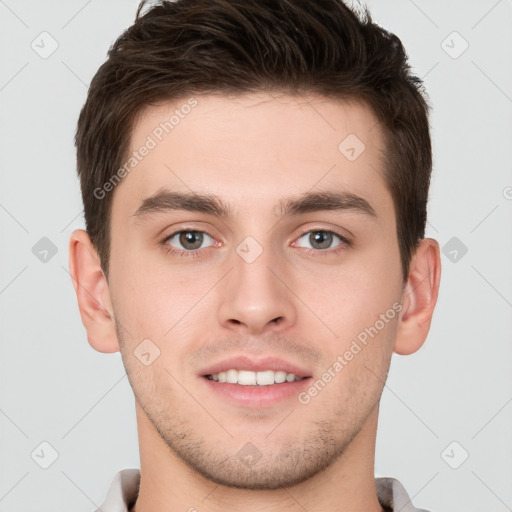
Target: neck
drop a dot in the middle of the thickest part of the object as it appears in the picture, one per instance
(168, 484)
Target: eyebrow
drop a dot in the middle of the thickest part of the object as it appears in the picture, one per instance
(166, 200)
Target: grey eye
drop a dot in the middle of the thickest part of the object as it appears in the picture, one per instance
(188, 240)
(319, 239)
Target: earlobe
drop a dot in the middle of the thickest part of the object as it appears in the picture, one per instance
(419, 298)
(92, 293)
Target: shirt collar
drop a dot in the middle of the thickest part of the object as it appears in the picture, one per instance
(124, 490)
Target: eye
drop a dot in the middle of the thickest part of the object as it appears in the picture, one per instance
(188, 240)
(321, 239)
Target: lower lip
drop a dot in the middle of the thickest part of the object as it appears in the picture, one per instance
(257, 396)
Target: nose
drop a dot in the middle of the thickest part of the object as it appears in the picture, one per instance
(255, 296)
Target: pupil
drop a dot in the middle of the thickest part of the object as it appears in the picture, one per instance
(191, 237)
(322, 238)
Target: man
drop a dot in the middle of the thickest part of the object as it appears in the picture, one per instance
(255, 179)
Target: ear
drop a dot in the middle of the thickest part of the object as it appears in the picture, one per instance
(419, 297)
(92, 292)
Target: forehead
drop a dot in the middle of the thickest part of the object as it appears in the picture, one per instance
(253, 149)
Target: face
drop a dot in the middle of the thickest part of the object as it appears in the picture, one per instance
(255, 243)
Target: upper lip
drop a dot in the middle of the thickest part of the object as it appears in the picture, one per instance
(254, 364)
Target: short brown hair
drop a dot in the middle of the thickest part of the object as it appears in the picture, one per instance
(322, 47)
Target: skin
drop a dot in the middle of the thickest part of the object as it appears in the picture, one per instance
(253, 151)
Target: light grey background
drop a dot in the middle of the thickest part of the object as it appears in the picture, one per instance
(55, 388)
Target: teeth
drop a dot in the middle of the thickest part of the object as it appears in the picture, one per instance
(280, 377)
(266, 378)
(247, 378)
(231, 376)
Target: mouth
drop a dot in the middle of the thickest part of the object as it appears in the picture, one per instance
(250, 378)
(251, 382)
(247, 370)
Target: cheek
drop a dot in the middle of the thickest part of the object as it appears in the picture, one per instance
(356, 366)
(351, 297)
(158, 302)
(360, 303)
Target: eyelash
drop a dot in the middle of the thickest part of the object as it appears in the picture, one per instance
(345, 243)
